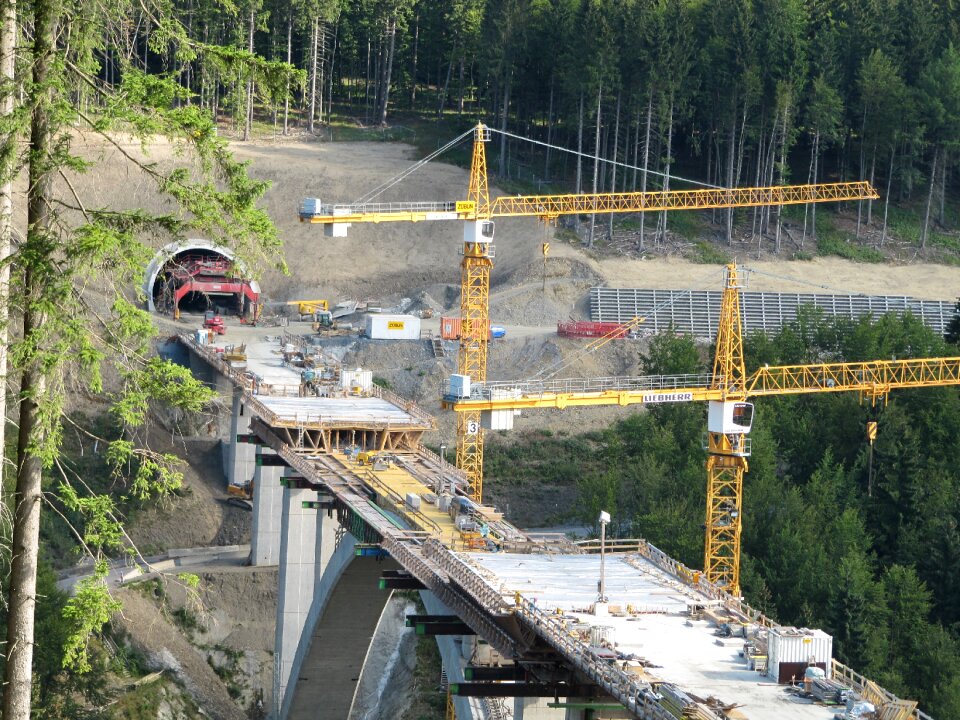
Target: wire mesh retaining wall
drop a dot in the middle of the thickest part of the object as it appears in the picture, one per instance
(698, 312)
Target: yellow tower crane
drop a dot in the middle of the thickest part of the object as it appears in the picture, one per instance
(477, 213)
(730, 415)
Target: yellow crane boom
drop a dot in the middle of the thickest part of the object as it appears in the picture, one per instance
(726, 390)
(477, 210)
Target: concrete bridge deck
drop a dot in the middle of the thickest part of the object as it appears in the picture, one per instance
(533, 602)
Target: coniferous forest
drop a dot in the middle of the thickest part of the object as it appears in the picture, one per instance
(725, 92)
(729, 92)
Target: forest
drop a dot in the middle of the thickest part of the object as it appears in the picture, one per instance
(727, 92)
(870, 555)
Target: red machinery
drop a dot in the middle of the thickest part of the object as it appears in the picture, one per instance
(208, 275)
(213, 321)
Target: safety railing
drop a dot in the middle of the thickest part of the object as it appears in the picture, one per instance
(635, 696)
(841, 673)
(528, 388)
(310, 208)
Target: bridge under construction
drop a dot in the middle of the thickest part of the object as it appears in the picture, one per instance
(347, 500)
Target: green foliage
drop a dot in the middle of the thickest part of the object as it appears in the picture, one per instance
(709, 254)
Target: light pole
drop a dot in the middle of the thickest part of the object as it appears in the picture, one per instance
(443, 456)
(604, 520)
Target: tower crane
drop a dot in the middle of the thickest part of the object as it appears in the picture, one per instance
(730, 416)
(477, 213)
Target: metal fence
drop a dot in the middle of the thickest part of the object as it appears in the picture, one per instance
(697, 312)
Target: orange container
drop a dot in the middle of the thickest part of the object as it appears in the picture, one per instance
(450, 328)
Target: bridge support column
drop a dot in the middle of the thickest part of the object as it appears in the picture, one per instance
(307, 541)
(267, 500)
(536, 709)
(241, 456)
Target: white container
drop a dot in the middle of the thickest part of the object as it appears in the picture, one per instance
(201, 336)
(601, 634)
(443, 503)
(413, 501)
(789, 645)
(351, 380)
(392, 327)
(459, 386)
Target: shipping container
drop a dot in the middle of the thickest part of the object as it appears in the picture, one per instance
(591, 329)
(790, 651)
(450, 329)
(392, 327)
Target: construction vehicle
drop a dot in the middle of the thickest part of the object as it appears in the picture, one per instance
(477, 212)
(730, 415)
(376, 460)
(213, 321)
(235, 356)
(241, 495)
(306, 309)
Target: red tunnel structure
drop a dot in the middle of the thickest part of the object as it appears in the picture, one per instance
(197, 275)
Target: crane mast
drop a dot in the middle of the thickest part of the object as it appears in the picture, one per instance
(475, 269)
(727, 443)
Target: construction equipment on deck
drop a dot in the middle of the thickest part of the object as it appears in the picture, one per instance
(730, 415)
(476, 213)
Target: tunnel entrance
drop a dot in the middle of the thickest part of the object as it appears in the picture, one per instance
(195, 276)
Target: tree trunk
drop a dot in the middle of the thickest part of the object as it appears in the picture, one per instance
(460, 81)
(662, 225)
(248, 119)
(313, 74)
(333, 61)
(546, 164)
(616, 147)
(636, 152)
(816, 172)
(446, 86)
(646, 160)
(596, 167)
(387, 71)
(926, 215)
(413, 73)
(580, 145)
(8, 40)
(873, 167)
(504, 109)
(731, 158)
(321, 54)
(886, 197)
(286, 100)
(25, 544)
(942, 218)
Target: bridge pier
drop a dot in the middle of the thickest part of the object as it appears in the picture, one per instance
(267, 509)
(307, 543)
(241, 456)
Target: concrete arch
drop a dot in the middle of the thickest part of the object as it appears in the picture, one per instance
(172, 250)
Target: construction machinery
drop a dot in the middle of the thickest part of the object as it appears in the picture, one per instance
(212, 320)
(727, 392)
(306, 309)
(477, 213)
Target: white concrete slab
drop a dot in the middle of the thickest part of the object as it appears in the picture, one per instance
(342, 409)
(688, 656)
